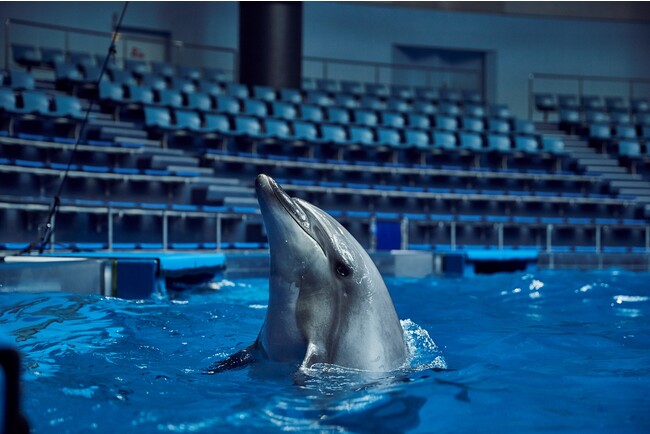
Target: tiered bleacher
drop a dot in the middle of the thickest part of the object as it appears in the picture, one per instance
(169, 154)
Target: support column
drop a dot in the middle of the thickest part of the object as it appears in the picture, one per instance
(270, 44)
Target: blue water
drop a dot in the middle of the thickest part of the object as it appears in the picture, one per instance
(543, 352)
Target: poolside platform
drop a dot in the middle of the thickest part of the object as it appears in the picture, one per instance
(131, 275)
(140, 275)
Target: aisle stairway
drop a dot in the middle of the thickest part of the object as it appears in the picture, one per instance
(595, 163)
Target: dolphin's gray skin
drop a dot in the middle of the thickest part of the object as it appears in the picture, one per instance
(327, 301)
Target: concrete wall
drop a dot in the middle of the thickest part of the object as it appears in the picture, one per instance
(360, 31)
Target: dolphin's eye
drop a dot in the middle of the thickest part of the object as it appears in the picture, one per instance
(343, 270)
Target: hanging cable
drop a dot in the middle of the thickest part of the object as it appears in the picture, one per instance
(48, 226)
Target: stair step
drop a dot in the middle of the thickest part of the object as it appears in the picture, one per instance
(597, 162)
(630, 184)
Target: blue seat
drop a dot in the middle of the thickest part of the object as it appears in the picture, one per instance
(471, 140)
(255, 107)
(213, 74)
(472, 124)
(247, 125)
(448, 123)
(338, 115)
(498, 142)
(28, 56)
(311, 113)
(403, 92)
(569, 116)
(139, 94)
(417, 138)
(427, 93)
(392, 119)
(640, 105)
(154, 81)
(615, 104)
(623, 131)
(526, 144)
(210, 87)
(67, 73)
(472, 97)
(216, 123)
(277, 128)
(227, 104)
(377, 89)
(7, 100)
(21, 80)
(418, 120)
(157, 117)
(352, 87)
(111, 92)
(474, 110)
(389, 137)
(620, 117)
(163, 68)
(600, 131)
(51, 56)
(629, 148)
(524, 126)
(121, 76)
(328, 85)
(82, 59)
(308, 83)
(591, 102)
(188, 119)
(264, 93)
(346, 100)
(551, 144)
(67, 106)
(305, 131)
(333, 134)
(318, 97)
(423, 106)
(500, 111)
(361, 135)
(568, 102)
(366, 117)
(449, 108)
(450, 95)
(444, 139)
(170, 98)
(398, 105)
(545, 102)
(182, 84)
(596, 117)
(190, 72)
(291, 95)
(284, 110)
(199, 101)
(372, 102)
(35, 102)
(137, 67)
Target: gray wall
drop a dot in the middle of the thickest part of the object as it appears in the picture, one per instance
(521, 45)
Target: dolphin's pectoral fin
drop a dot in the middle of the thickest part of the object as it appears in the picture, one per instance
(239, 360)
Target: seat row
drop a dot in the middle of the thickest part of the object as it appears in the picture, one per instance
(548, 103)
(443, 134)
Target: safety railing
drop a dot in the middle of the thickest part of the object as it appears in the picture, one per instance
(392, 73)
(163, 49)
(626, 87)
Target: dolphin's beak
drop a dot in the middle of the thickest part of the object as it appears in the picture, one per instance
(270, 195)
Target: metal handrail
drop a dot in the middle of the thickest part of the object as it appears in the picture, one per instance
(326, 62)
(580, 81)
(67, 30)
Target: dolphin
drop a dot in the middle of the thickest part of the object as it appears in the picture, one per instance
(327, 301)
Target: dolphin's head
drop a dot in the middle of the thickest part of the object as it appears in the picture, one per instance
(301, 234)
(325, 291)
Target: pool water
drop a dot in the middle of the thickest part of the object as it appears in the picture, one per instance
(549, 351)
